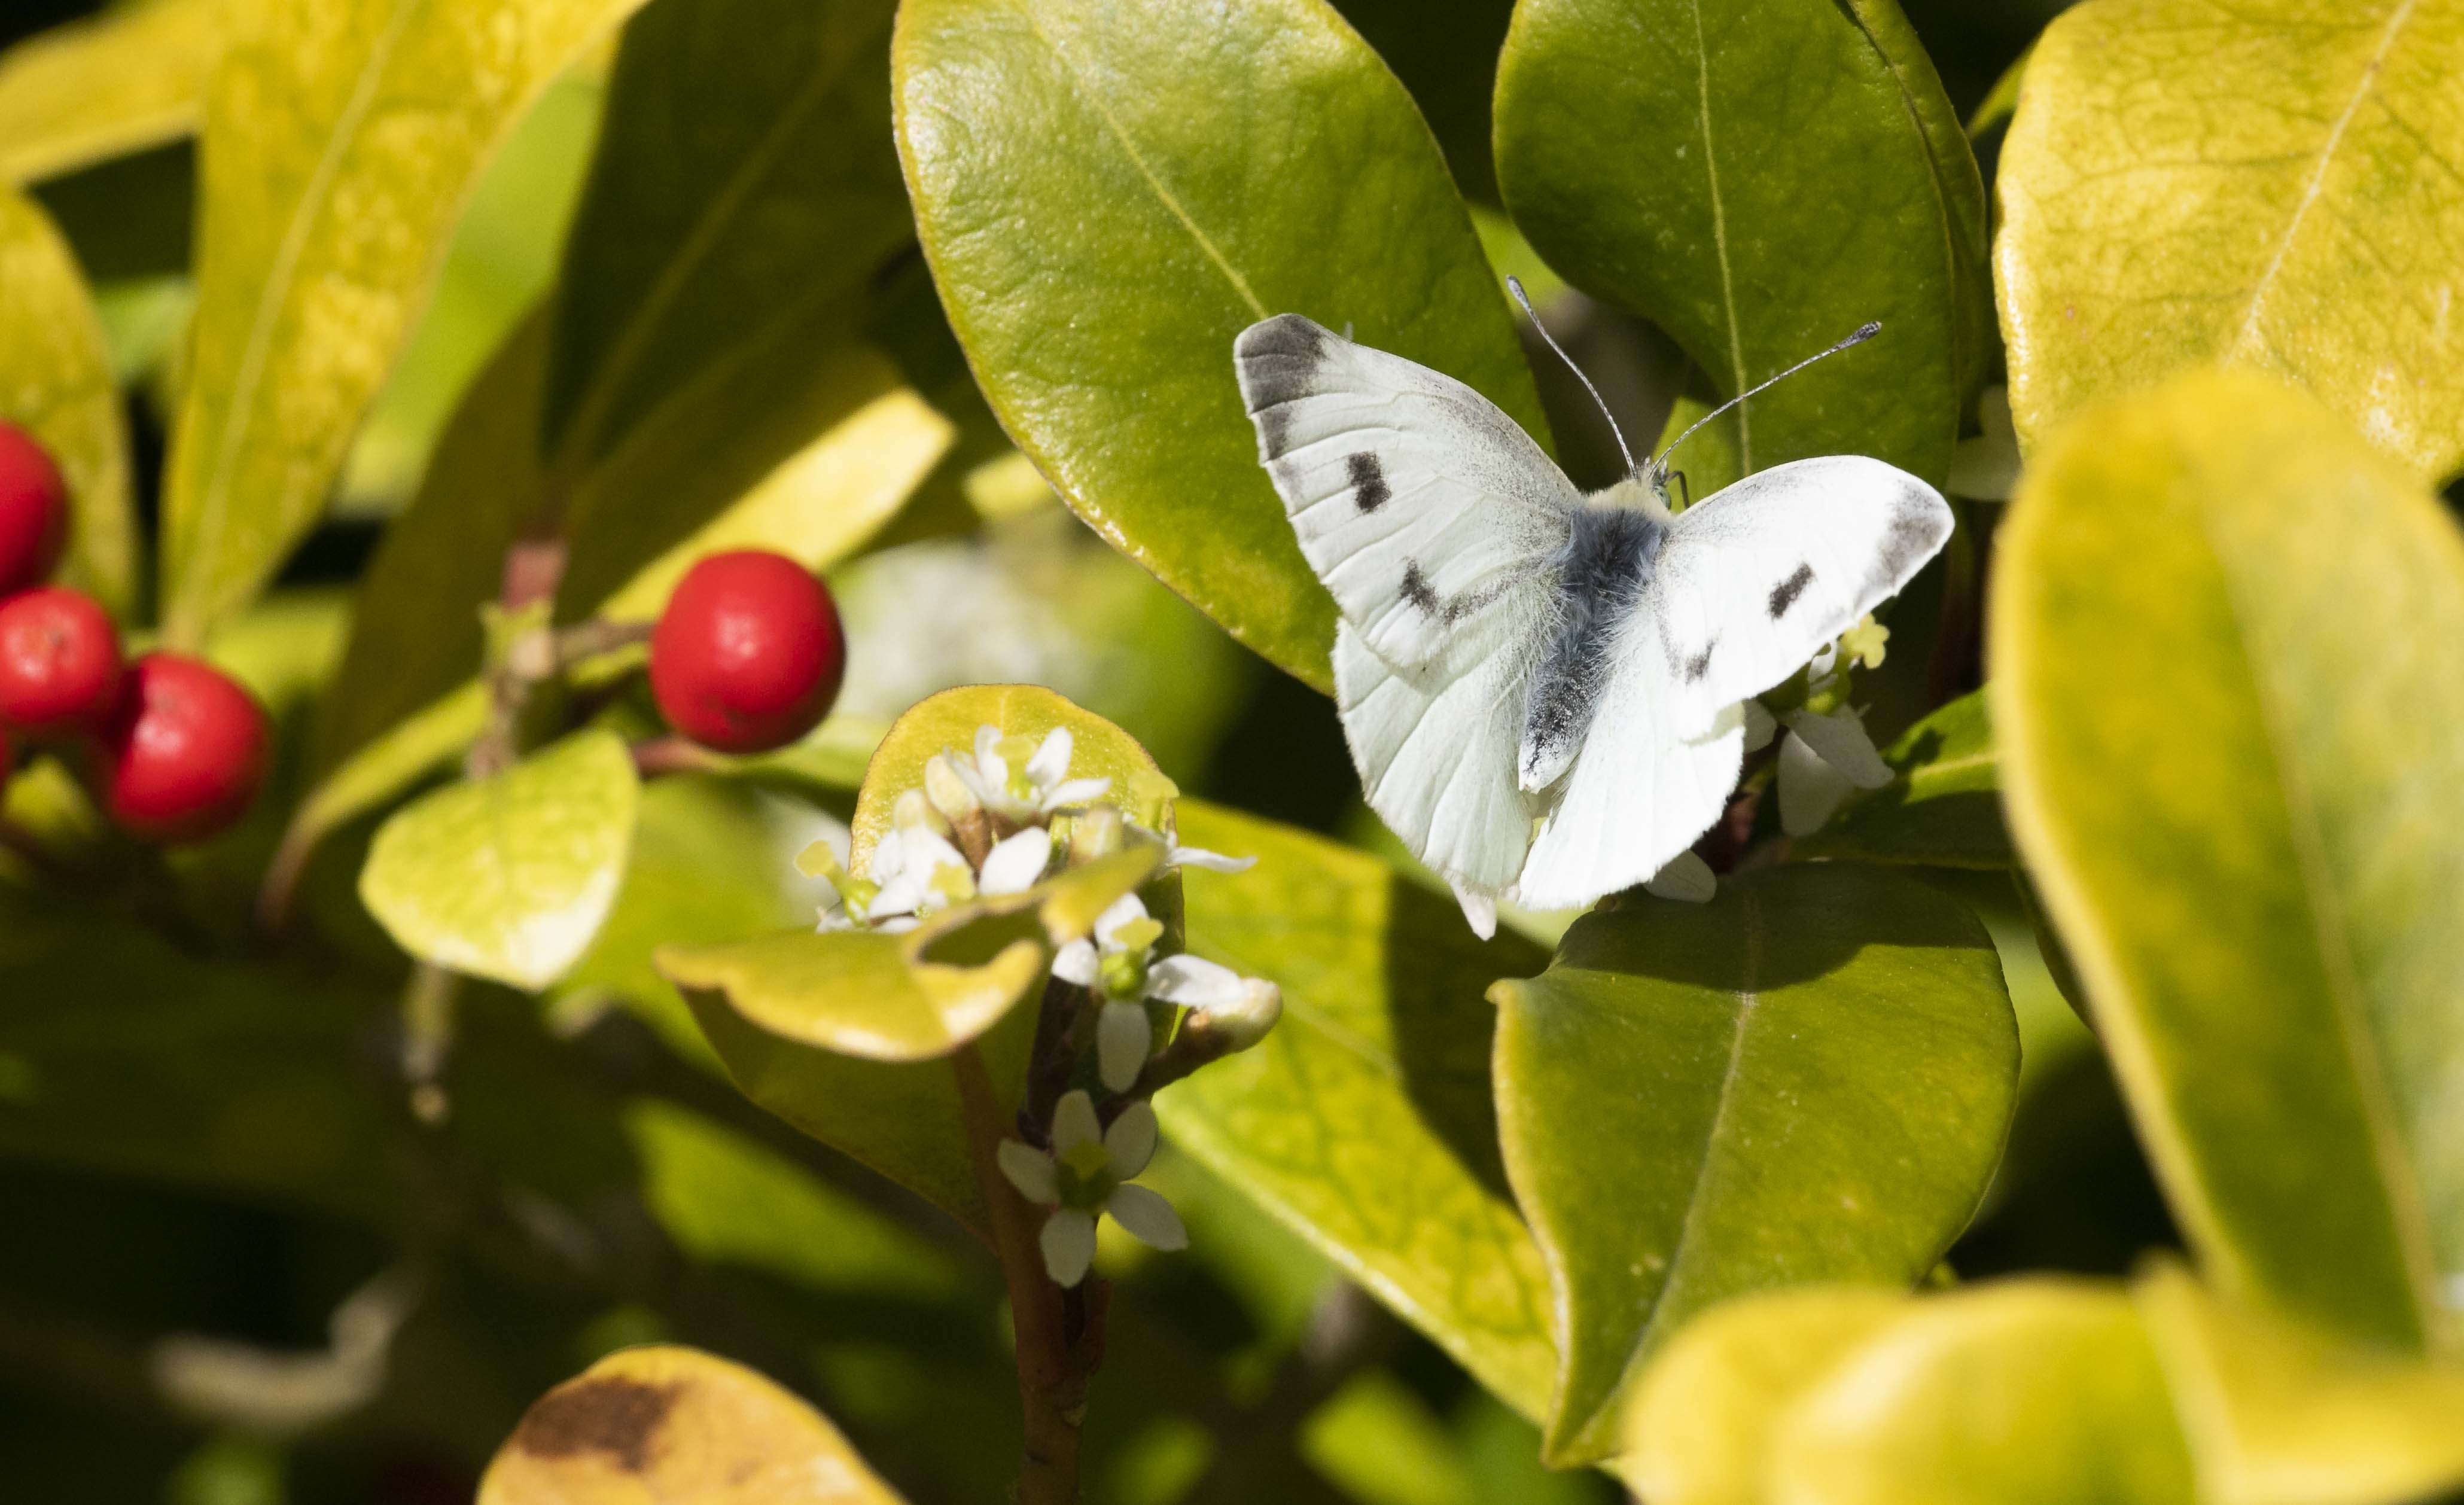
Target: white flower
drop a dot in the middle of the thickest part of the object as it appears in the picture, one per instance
(1017, 862)
(1119, 963)
(1824, 755)
(1087, 1175)
(913, 872)
(1211, 861)
(1023, 784)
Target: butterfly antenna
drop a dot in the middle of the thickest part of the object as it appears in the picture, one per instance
(1864, 332)
(1514, 285)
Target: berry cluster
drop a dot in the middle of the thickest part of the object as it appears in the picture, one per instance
(748, 656)
(174, 748)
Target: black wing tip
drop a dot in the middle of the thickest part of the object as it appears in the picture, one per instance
(1284, 334)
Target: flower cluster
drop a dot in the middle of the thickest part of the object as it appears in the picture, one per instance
(1000, 819)
(1827, 751)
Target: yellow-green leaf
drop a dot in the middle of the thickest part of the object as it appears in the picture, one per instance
(132, 77)
(1698, 1429)
(2035, 1392)
(1109, 194)
(680, 1426)
(1807, 1078)
(1364, 1120)
(56, 384)
(858, 993)
(510, 876)
(1942, 806)
(340, 138)
(2270, 184)
(2278, 1412)
(947, 723)
(2225, 676)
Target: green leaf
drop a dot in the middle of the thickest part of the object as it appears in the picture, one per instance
(1759, 180)
(1807, 1078)
(856, 993)
(1941, 808)
(132, 77)
(510, 876)
(1364, 1119)
(745, 174)
(904, 1120)
(2036, 1392)
(1204, 167)
(725, 1198)
(947, 723)
(2187, 184)
(1447, 55)
(2278, 1412)
(680, 1426)
(1699, 1428)
(340, 138)
(2222, 654)
(56, 384)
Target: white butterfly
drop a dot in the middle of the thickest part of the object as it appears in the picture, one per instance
(1541, 688)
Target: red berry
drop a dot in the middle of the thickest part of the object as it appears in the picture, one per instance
(34, 510)
(59, 663)
(748, 654)
(185, 752)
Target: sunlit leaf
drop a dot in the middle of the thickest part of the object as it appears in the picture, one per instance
(56, 384)
(680, 1426)
(857, 993)
(1943, 808)
(2225, 685)
(1759, 180)
(132, 77)
(2268, 184)
(2037, 1392)
(1697, 1430)
(2281, 1413)
(1364, 1119)
(1807, 1078)
(510, 876)
(340, 140)
(1109, 194)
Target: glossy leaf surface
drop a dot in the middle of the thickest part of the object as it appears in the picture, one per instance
(1203, 167)
(1759, 180)
(1807, 1078)
(2267, 185)
(510, 876)
(1364, 1119)
(2224, 677)
(56, 384)
(2010, 1394)
(680, 1426)
(117, 83)
(340, 140)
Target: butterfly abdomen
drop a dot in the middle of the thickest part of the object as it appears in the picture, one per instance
(1600, 576)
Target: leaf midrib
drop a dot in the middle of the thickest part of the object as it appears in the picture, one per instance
(1720, 246)
(271, 297)
(1164, 195)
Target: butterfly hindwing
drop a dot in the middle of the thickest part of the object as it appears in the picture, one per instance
(1435, 747)
(1757, 578)
(1422, 507)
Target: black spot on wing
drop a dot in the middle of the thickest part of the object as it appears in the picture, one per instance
(1369, 491)
(1784, 594)
(1418, 590)
(1700, 664)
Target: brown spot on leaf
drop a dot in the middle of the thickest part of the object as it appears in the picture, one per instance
(612, 1415)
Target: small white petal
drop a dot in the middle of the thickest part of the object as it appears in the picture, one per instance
(1825, 659)
(1123, 1041)
(1211, 861)
(1074, 791)
(889, 857)
(1016, 862)
(928, 853)
(1480, 910)
(1068, 1245)
(1030, 1170)
(898, 896)
(1809, 789)
(896, 924)
(1050, 763)
(834, 918)
(1073, 1122)
(1686, 879)
(986, 737)
(1243, 1024)
(1194, 983)
(1120, 912)
(1076, 962)
(1761, 727)
(1839, 738)
(1146, 1217)
(1131, 1141)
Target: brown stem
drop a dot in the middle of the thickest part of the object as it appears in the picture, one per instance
(533, 566)
(1052, 1372)
(659, 756)
(1049, 1062)
(595, 636)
